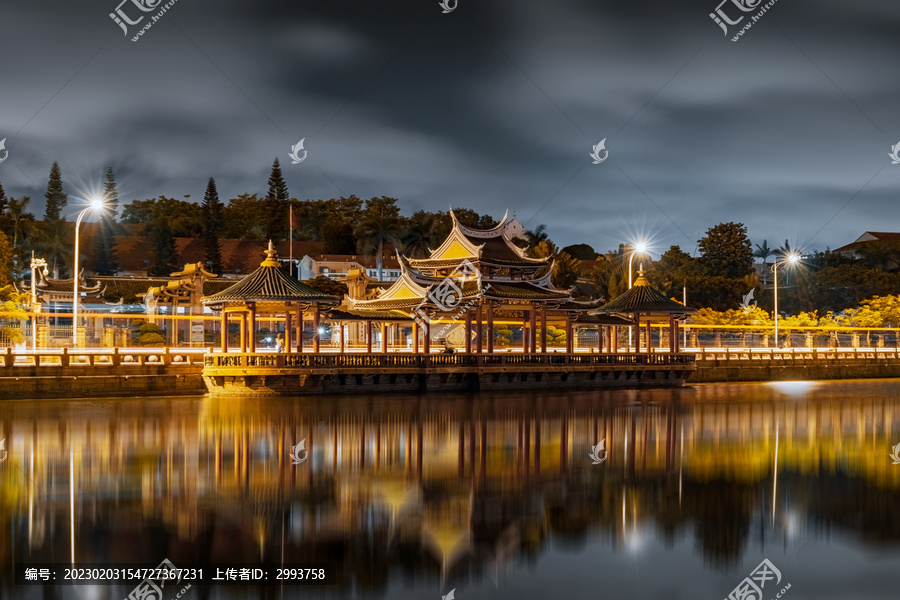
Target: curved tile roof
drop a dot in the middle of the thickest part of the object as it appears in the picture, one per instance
(642, 298)
(269, 283)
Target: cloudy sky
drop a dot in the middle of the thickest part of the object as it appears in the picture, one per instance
(493, 106)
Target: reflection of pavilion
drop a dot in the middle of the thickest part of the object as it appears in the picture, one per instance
(449, 488)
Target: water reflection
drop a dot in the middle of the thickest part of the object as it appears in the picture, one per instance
(410, 493)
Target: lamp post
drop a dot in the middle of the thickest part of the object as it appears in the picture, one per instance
(96, 205)
(35, 264)
(790, 259)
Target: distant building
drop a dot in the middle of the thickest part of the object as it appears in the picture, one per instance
(852, 249)
(339, 266)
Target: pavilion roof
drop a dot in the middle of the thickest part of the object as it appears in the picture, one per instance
(642, 298)
(478, 245)
(66, 286)
(269, 283)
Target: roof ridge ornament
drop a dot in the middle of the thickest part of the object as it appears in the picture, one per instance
(271, 259)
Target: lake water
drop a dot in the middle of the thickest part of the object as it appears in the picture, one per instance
(491, 496)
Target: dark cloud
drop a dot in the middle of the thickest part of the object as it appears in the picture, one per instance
(493, 106)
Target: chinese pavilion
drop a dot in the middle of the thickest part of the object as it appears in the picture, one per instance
(476, 277)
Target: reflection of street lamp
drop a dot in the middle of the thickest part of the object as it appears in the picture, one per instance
(790, 259)
(639, 248)
(35, 263)
(96, 205)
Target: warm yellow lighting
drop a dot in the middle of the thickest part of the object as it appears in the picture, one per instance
(97, 204)
(795, 389)
(640, 248)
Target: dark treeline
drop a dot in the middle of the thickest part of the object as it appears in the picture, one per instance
(719, 277)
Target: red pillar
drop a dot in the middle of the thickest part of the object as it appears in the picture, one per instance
(243, 332)
(341, 332)
(415, 336)
(490, 329)
(649, 338)
(316, 337)
(299, 328)
(525, 341)
(544, 329)
(426, 343)
(287, 330)
(383, 338)
(224, 326)
(570, 338)
(468, 331)
(478, 336)
(532, 314)
(369, 337)
(252, 328)
(614, 340)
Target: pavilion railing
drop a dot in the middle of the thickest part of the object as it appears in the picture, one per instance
(424, 361)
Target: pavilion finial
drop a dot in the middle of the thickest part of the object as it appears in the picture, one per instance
(641, 280)
(271, 257)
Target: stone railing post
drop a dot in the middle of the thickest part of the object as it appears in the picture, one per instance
(8, 358)
(116, 358)
(64, 358)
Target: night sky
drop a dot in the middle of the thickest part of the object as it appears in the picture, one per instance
(493, 106)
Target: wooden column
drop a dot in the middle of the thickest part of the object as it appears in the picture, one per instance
(649, 338)
(384, 337)
(570, 337)
(614, 340)
(224, 326)
(468, 331)
(288, 323)
(369, 337)
(636, 333)
(490, 329)
(252, 328)
(243, 332)
(478, 336)
(415, 337)
(299, 328)
(525, 341)
(544, 329)
(343, 336)
(532, 325)
(426, 342)
(317, 339)
(672, 335)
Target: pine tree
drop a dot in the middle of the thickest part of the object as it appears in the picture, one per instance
(277, 205)
(162, 262)
(106, 249)
(212, 227)
(56, 197)
(4, 201)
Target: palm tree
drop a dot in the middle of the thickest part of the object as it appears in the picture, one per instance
(379, 223)
(763, 252)
(418, 236)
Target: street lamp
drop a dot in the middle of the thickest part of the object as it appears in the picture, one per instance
(639, 248)
(790, 259)
(96, 205)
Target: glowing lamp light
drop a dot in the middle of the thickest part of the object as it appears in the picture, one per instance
(793, 258)
(640, 248)
(321, 331)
